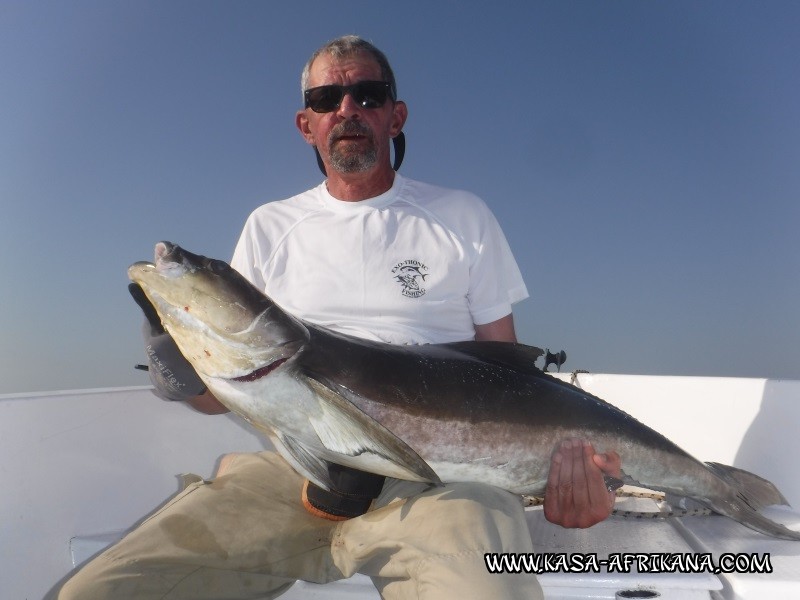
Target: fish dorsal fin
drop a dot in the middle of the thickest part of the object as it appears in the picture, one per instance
(758, 491)
(505, 354)
(347, 431)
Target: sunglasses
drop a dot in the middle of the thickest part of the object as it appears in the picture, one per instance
(367, 94)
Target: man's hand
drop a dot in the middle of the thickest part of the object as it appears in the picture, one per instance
(576, 495)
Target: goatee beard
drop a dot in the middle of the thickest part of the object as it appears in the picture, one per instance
(343, 157)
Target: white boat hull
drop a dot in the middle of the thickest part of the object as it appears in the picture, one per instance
(81, 467)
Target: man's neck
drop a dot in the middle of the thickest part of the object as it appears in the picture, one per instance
(354, 187)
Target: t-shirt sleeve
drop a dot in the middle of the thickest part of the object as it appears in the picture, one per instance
(495, 279)
(247, 256)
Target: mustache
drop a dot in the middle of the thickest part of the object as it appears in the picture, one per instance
(350, 128)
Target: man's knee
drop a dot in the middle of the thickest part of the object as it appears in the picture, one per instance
(448, 519)
(226, 462)
(78, 586)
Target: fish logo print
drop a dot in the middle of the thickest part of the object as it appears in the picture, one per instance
(410, 274)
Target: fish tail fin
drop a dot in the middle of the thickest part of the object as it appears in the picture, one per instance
(747, 494)
(756, 491)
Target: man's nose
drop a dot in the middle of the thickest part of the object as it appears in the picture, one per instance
(348, 107)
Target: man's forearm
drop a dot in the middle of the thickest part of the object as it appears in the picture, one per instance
(207, 403)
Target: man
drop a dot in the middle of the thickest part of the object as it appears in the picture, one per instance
(373, 254)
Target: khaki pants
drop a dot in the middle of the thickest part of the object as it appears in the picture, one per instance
(246, 535)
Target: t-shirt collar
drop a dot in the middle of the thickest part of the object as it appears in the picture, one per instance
(385, 199)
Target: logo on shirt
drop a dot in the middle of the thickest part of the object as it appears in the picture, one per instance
(410, 274)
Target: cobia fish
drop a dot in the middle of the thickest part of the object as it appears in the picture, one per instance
(467, 411)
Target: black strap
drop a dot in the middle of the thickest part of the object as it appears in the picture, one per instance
(351, 495)
(399, 149)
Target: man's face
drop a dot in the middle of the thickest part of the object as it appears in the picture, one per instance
(351, 139)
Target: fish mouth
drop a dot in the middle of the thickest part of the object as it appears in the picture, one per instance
(140, 267)
(262, 372)
(165, 263)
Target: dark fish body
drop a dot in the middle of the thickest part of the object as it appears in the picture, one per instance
(467, 411)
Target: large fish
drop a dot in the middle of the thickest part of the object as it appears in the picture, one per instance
(467, 411)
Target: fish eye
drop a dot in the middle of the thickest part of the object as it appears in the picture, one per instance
(216, 266)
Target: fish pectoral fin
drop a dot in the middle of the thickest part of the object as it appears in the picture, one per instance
(303, 461)
(344, 429)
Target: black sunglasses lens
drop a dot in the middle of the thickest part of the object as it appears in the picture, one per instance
(327, 98)
(369, 94)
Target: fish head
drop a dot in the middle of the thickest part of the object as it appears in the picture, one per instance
(223, 325)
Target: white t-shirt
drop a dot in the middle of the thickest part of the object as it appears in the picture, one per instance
(417, 264)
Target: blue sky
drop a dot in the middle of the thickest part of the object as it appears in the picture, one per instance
(642, 157)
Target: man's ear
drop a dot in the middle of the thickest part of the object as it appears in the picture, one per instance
(399, 116)
(301, 121)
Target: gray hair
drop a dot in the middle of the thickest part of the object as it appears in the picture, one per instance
(347, 46)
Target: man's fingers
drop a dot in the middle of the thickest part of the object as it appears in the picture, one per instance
(577, 494)
(610, 463)
(566, 478)
(596, 492)
(552, 507)
(582, 474)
